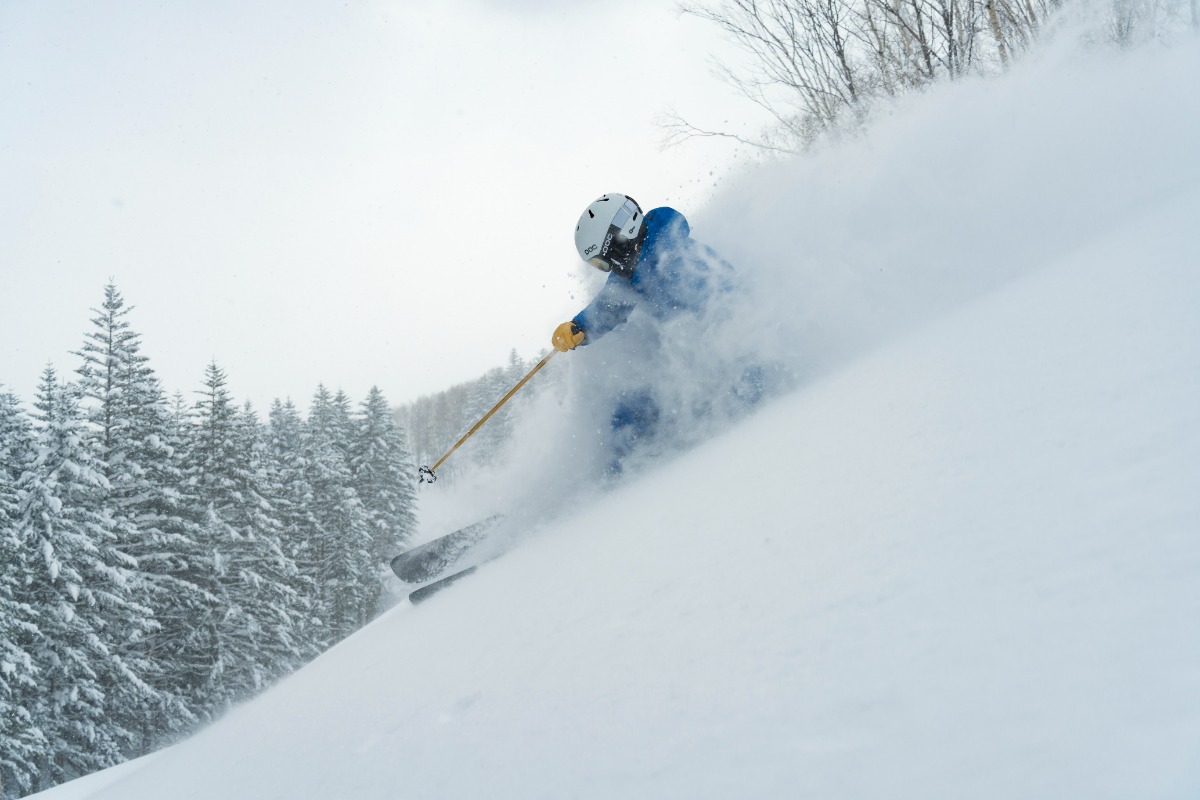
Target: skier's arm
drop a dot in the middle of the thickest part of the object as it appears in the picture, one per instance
(610, 308)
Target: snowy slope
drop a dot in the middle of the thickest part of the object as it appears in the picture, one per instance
(962, 561)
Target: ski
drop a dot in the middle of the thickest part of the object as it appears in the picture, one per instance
(446, 557)
(430, 589)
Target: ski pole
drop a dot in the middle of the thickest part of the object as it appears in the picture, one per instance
(427, 473)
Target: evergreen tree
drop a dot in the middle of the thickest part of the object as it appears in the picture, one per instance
(111, 362)
(342, 424)
(279, 606)
(252, 635)
(131, 434)
(76, 585)
(22, 739)
(285, 446)
(383, 478)
(185, 640)
(292, 498)
(341, 560)
(208, 456)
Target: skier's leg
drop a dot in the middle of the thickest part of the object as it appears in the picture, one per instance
(751, 386)
(758, 382)
(634, 421)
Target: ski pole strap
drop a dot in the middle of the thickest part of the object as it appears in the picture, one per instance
(428, 474)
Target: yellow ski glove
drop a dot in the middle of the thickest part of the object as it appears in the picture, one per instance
(567, 336)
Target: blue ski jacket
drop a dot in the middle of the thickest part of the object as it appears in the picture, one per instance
(674, 273)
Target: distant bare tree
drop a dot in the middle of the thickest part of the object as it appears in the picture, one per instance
(1018, 22)
(817, 63)
(1133, 21)
(807, 67)
(814, 64)
(937, 37)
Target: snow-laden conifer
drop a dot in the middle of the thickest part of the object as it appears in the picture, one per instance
(383, 477)
(78, 585)
(22, 739)
(341, 562)
(136, 447)
(292, 496)
(252, 631)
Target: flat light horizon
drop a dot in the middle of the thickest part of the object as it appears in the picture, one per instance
(365, 194)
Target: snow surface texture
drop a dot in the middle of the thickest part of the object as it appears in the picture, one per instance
(960, 560)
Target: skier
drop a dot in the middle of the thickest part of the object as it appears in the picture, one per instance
(657, 275)
(653, 265)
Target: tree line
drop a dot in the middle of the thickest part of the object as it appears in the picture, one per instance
(160, 560)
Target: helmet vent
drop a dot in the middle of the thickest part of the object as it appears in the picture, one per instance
(591, 214)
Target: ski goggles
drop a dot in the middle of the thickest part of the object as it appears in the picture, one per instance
(619, 253)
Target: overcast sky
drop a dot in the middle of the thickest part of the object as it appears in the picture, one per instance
(355, 193)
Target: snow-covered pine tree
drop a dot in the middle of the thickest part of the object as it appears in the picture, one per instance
(131, 429)
(187, 629)
(341, 560)
(342, 422)
(77, 586)
(292, 496)
(22, 740)
(251, 631)
(285, 443)
(384, 479)
(270, 576)
(208, 465)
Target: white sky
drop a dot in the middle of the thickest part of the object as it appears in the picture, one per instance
(353, 193)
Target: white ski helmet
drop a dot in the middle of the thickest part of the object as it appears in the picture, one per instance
(610, 233)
